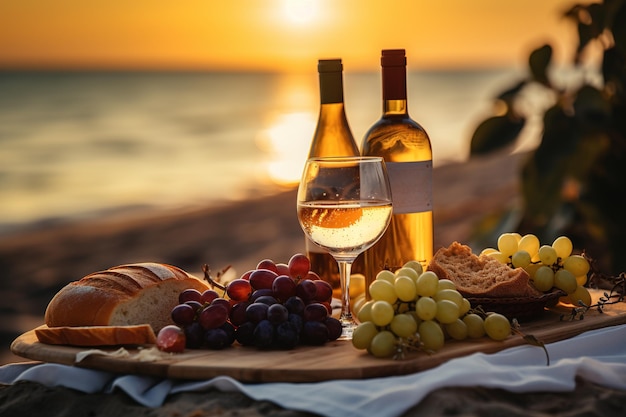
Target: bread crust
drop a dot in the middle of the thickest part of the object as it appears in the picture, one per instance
(96, 335)
(480, 276)
(132, 294)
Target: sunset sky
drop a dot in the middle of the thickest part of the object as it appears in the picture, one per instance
(275, 34)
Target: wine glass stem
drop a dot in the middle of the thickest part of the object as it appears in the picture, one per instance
(345, 268)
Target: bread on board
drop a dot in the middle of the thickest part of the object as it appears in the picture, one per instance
(141, 334)
(133, 294)
(480, 276)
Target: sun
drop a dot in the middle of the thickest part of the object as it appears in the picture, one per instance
(300, 12)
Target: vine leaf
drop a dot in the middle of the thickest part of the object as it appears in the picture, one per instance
(539, 60)
(495, 133)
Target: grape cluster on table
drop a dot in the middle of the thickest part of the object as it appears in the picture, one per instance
(411, 309)
(274, 306)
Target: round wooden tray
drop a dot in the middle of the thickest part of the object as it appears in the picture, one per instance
(336, 360)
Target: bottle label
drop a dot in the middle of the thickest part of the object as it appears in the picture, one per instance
(411, 186)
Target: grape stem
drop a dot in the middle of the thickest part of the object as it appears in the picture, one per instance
(516, 328)
(615, 295)
(530, 339)
(405, 345)
(214, 282)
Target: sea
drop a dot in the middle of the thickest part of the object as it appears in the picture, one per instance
(80, 145)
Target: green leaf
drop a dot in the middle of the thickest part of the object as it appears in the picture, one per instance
(541, 189)
(559, 139)
(592, 110)
(544, 172)
(619, 28)
(495, 133)
(539, 61)
(612, 67)
(597, 13)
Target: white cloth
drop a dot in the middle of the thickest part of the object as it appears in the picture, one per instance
(598, 356)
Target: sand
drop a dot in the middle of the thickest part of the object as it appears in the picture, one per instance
(34, 400)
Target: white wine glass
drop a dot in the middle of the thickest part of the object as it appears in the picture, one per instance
(344, 206)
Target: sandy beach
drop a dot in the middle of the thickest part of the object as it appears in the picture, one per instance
(27, 398)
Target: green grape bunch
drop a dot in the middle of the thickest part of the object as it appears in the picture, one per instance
(412, 309)
(549, 266)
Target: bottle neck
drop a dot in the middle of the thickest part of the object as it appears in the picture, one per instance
(332, 135)
(332, 113)
(394, 90)
(395, 108)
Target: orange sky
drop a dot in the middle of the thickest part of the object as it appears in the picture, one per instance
(274, 34)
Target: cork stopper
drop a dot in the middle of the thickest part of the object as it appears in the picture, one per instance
(393, 58)
(393, 62)
(329, 65)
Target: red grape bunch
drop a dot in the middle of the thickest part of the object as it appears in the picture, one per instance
(274, 306)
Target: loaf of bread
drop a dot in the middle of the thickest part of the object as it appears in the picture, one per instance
(480, 276)
(96, 335)
(133, 294)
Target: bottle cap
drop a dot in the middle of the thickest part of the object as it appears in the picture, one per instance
(331, 82)
(393, 58)
(329, 65)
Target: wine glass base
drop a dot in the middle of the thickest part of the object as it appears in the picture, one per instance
(348, 326)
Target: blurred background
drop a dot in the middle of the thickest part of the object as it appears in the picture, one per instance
(115, 105)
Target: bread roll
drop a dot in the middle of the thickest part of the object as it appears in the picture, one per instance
(143, 293)
(96, 335)
(480, 276)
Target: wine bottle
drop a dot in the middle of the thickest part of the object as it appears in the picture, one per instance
(332, 137)
(406, 149)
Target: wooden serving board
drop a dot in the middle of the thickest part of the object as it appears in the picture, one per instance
(335, 360)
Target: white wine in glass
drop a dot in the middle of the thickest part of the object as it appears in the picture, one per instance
(344, 206)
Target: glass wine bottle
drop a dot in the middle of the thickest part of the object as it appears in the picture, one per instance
(406, 149)
(332, 137)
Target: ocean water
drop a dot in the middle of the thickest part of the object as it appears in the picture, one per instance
(78, 145)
